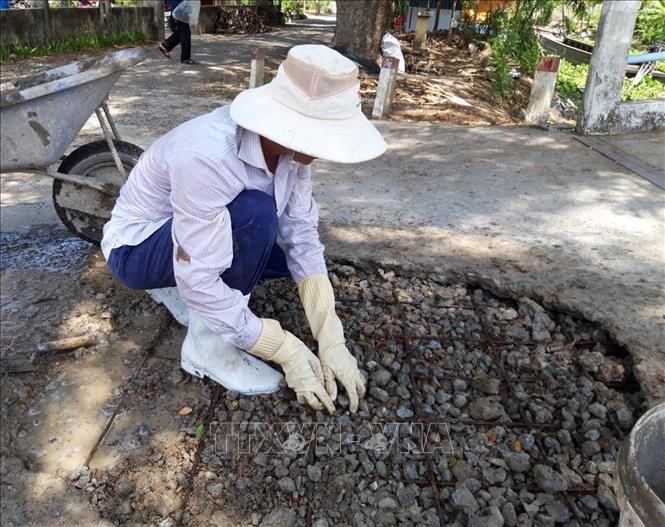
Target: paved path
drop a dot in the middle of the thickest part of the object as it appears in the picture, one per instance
(520, 211)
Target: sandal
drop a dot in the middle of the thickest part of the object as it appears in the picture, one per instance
(164, 51)
(188, 61)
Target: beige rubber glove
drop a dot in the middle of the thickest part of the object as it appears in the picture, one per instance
(318, 299)
(302, 369)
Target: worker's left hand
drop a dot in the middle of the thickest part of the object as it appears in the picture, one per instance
(338, 364)
(318, 299)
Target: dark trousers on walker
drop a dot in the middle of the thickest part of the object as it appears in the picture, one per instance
(256, 254)
(180, 34)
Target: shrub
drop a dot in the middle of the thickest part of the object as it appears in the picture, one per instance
(76, 43)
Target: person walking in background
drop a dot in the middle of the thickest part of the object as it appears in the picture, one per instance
(183, 13)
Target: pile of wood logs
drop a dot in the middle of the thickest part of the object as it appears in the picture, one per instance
(245, 20)
(427, 61)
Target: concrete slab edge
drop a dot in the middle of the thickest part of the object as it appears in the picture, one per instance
(510, 279)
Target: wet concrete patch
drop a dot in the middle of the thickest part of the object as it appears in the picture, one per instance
(39, 250)
(55, 286)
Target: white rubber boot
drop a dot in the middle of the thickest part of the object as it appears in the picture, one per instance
(207, 354)
(170, 297)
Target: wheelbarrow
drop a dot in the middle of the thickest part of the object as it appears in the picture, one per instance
(42, 114)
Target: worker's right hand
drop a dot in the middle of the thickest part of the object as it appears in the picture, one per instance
(302, 368)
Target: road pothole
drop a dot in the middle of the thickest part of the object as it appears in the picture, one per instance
(480, 411)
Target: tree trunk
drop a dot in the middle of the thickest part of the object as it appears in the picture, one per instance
(267, 5)
(439, 6)
(271, 13)
(450, 22)
(360, 27)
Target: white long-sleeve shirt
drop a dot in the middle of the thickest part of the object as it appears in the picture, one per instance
(191, 174)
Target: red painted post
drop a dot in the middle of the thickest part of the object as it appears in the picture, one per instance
(540, 99)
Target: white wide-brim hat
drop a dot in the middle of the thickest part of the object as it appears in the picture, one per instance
(312, 106)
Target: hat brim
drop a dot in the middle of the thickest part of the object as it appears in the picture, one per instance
(341, 141)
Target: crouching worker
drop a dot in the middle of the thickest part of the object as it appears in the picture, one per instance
(224, 200)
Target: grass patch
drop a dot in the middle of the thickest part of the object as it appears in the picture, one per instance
(572, 78)
(82, 42)
(649, 88)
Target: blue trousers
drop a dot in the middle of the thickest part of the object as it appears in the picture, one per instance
(255, 253)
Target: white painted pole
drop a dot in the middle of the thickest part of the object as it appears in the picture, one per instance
(602, 109)
(385, 87)
(422, 25)
(257, 67)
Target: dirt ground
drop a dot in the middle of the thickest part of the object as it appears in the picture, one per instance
(450, 83)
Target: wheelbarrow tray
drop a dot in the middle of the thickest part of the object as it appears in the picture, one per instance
(42, 114)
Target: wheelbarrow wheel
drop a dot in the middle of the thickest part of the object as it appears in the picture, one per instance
(84, 210)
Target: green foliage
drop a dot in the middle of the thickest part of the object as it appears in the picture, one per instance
(292, 7)
(298, 8)
(54, 4)
(318, 6)
(585, 15)
(570, 24)
(572, 77)
(500, 68)
(402, 7)
(649, 88)
(84, 41)
(501, 42)
(650, 23)
(579, 17)
(514, 42)
(200, 431)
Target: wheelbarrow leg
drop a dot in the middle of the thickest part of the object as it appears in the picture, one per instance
(107, 112)
(109, 140)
